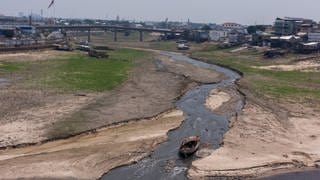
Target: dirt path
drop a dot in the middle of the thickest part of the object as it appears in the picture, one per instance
(89, 156)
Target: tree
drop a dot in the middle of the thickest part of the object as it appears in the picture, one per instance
(254, 29)
(206, 28)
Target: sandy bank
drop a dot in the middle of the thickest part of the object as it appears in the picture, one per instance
(261, 141)
(89, 156)
(307, 65)
(195, 73)
(224, 100)
(216, 99)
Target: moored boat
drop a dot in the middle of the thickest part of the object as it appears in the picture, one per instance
(189, 146)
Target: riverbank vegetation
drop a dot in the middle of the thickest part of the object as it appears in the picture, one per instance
(285, 84)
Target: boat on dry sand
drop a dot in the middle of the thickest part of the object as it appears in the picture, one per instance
(189, 146)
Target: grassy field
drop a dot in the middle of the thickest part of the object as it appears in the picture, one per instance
(271, 83)
(76, 71)
(6, 67)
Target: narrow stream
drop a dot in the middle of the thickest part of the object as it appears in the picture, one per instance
(164, 162)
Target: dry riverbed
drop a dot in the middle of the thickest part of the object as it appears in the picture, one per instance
(267, 135)
(88, 156)
(33, 116)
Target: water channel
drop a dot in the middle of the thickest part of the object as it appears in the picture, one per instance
(165, 162)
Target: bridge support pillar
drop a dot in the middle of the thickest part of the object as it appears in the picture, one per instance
(89, 35)
(115, 36)
(141, 36)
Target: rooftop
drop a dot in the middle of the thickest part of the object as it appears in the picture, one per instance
(231, 24)
(294, 19)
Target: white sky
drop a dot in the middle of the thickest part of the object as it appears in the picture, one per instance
(214, 11)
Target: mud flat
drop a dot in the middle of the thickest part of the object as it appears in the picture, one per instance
(89, 156)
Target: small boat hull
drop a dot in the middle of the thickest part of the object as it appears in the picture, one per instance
(189, 146)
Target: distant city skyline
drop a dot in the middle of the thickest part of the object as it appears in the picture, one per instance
(206, 11)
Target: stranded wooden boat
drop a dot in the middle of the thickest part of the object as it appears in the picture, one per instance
(189, 146)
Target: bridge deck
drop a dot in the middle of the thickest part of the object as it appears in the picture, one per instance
(89, 27)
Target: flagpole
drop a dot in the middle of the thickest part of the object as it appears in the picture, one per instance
(54, 12)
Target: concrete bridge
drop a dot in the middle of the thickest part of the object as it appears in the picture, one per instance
(115, 29)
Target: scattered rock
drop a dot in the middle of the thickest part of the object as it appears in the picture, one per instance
(170, 165)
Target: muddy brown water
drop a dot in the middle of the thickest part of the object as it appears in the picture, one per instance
(165, 162)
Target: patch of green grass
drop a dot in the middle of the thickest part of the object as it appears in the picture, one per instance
(81, 72)
(280, 89)
(209, 48)
(76, 71)
(70, 126)
(278, 84)
(164, 45)
(10, 67)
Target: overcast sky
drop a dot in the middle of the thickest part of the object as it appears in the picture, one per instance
(214, 11)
